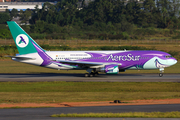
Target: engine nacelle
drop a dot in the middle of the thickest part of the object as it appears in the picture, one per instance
(109, 69)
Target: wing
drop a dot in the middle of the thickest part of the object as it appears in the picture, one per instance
(88, 64)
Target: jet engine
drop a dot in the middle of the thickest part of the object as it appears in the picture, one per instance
(109, 69)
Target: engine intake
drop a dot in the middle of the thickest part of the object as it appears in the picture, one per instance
(109, 69)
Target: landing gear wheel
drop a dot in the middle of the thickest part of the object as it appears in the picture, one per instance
(160, 74)
(86, 75)
(91, 75)
(96, 73)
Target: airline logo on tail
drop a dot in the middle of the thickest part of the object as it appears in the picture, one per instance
(22, 40)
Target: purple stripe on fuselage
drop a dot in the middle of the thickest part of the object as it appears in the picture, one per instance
(127, 59)
(46, 58)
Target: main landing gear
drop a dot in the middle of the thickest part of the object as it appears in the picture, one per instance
(161, 72)
(90, 73)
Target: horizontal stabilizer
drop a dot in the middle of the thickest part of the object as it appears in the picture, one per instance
(21, 58)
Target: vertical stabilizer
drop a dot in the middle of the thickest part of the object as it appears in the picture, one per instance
(24, 43)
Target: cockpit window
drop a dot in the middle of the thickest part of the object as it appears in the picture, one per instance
(168, 56)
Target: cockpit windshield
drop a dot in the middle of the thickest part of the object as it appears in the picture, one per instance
(168, 56)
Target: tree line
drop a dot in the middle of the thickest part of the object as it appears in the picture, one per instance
(101, 19)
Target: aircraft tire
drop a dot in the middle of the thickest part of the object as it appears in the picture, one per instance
(86, 75)
(96, 74)
(91, 75)
(160, 74)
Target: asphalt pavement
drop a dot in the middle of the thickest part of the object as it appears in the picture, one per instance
(45, 113)
(36, 77)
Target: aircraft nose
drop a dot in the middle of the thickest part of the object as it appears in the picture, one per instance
(172, 61)
(175, 61)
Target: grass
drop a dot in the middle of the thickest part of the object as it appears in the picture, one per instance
(56, 92)
(58, 97)
(174, 114)
(89, 87)
(9, 66)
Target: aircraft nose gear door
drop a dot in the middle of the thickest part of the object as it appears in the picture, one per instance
(161, 72)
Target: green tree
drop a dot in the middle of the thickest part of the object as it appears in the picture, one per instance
(133, 10)
(119, 12)
(25, 16)
(175, 4)
(4, 17)
(148, 17)
(4, 33)
(14, 13)
(7, 11)
(166, 9)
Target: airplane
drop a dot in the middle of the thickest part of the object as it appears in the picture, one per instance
(109, 62)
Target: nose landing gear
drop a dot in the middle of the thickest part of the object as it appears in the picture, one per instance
(161, 72)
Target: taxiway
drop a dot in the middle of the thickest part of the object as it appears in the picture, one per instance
(45, 113)
(80, 77)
